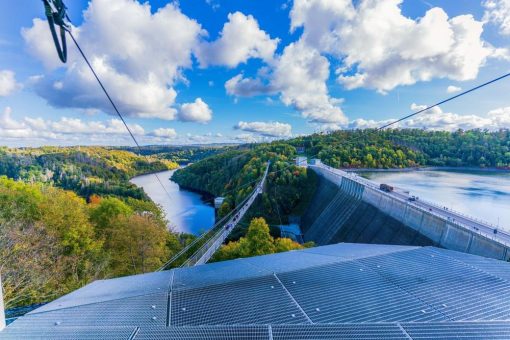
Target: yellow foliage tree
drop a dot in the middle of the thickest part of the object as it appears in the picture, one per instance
(258, 241)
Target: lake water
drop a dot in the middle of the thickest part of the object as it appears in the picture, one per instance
(185, 210)
(484, 195)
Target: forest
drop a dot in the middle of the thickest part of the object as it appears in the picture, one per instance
(400, 148)
(179, 154)
(232, 174)
(69, 215)
(84, 170)
(52, 241)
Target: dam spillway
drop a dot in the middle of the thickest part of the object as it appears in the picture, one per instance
(347, 208)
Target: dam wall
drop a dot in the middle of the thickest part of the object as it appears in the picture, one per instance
(345, 210)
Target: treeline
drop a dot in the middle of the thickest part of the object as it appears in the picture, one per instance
(52, 241)
(395, 148)
(233, 174)
(84, 170)
(179, 154)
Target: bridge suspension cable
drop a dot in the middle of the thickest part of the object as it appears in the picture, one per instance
(219, 235)
(56, 10)
(354, 138)
(198, 239)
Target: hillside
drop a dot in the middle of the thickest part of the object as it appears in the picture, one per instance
(69, 215)
(84, 170)
(230, 174)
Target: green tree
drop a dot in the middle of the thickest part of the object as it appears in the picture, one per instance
(108, 209)
(136, 244)
(258, 239)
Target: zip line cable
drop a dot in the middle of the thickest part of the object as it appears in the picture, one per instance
(389, 124)
(57, 14)
(284, 168)
(350, 140)
(115, 107)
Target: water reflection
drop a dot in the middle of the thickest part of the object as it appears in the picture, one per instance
(484, 195)
(184, 209)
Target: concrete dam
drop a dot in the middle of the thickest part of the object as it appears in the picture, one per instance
(348, 208)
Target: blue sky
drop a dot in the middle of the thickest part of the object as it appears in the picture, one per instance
(208, 71)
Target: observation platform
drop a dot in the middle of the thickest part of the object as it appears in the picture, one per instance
(342, 291)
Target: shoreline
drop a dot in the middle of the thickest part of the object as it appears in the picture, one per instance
(429, 168)
(152, 173)
(204, 195)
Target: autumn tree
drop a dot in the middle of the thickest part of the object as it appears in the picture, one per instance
(258, 241)
(136, 244)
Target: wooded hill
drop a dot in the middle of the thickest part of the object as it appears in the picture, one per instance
(233, 174)
(68, 215)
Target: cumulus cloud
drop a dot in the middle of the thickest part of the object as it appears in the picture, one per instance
(198, 111)
(65, 130)
(166, 133)
(240, 39)
(299, 75)
(416, 107)
(268, 129)
(380, 48)
(498, 12)
(8, 83)
(138, 66)
(436, 119)
(247, 87)
(453, 89)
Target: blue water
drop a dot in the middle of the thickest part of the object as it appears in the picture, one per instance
(483, 195)
(185, 210)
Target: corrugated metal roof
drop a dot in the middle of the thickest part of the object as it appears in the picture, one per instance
(349, 291)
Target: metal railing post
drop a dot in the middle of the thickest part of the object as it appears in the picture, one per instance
(2, 307)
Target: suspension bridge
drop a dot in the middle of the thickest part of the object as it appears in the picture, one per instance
(204, 247)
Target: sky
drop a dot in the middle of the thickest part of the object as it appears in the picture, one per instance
(233, 71)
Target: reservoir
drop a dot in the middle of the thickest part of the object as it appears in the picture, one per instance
(484, 195)
(185, 210)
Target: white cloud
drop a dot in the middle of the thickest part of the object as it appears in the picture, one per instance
(380, 48)
(65, 130)
(247, 138)
(133, 51)
(435, 110)
(77, 126)
(299, 75)
(498, 12)
(436, 119)
(268, 129)
(453, 89)
(198, 111)
(240, 39)
(167, 133)
(8, 83)
(247, 87)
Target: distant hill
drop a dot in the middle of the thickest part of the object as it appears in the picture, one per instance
(227, 174)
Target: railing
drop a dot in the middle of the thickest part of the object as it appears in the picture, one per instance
(204, 253)
(501, 236)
